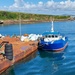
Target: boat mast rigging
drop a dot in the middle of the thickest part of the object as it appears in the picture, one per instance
(52, 29)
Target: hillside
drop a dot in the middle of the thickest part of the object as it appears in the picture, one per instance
(14, 16)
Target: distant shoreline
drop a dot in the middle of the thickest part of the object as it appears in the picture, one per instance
(8, 18)
(31, 21)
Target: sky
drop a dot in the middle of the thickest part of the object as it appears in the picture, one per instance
(50, 7)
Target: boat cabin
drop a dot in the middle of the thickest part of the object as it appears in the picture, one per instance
(51, 36)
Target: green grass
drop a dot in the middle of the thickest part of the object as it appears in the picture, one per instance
(5, 15)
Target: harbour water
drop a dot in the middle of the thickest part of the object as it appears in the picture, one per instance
(41, 62)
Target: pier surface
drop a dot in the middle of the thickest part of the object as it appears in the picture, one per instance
(20, 51)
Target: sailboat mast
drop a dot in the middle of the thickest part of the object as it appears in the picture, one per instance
(52, 29)
(20, 23)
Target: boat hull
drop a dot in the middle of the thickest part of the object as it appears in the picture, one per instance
(58, 45)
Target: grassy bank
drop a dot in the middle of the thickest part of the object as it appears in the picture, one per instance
(13, 17)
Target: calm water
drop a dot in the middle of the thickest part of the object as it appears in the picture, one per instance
(40, 62)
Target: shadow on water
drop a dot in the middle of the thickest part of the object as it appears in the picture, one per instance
(54, 61)
(52, 55)
(10, 71)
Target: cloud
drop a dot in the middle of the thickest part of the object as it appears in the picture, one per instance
(49, 7)
(18, 3)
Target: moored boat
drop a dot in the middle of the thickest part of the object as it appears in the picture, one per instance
(1, 22)
(52, 41)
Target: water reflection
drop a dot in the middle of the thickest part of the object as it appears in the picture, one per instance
(13, 69)
(55, 60)
(52, 55)
(9, 71)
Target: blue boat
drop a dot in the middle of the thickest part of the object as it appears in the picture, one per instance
(52, 41)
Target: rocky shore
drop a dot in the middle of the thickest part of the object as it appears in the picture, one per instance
(31, 21)
(22, 21)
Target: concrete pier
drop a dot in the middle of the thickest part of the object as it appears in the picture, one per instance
(20, 51)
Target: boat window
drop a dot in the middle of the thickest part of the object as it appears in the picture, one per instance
(46, 36)
(56, 36)
(49, 36)
(52, 36)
